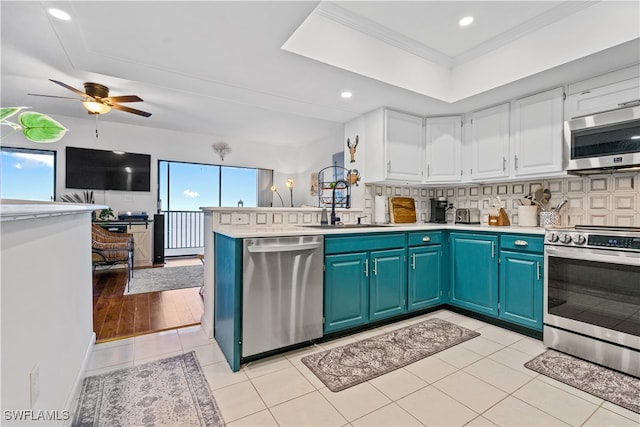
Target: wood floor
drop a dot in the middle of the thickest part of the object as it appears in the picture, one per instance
(116, 316)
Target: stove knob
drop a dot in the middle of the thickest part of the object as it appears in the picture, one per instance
(552, 237)
(565, 238)
(579, 239)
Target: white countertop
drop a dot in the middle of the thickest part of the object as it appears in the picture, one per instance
(16, 210)
(241, 232)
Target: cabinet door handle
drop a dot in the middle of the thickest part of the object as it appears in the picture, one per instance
(504, 164)
(389, 166)
(375, 267)
(428, 170)
(366, 268)
(493, 250)
(515, 162)
(413, 261)
(521, 243)
(538, 269)
(426, 239)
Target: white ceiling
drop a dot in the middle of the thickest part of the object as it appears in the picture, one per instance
(218, 68)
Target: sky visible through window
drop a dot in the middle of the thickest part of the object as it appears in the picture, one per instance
(27, 174)
(30, 175)
(189, 186)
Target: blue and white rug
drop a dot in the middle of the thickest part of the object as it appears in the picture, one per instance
(165, 278)
(167, 392)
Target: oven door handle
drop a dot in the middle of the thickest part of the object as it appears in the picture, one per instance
(597, 255)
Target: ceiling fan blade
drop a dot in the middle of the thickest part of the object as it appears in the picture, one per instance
(52, 96)
(130, 110)
(123, 98)
(66, 86)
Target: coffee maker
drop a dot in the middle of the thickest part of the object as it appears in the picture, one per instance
(438, 210)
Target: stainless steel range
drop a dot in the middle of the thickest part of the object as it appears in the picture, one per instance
(592, 294)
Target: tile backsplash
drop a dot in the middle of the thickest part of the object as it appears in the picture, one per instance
(607, 199)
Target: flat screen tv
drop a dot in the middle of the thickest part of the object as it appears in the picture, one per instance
(107, 170)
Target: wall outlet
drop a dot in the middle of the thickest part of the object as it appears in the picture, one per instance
(34, 384)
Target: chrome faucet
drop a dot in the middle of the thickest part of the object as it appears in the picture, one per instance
(333, 200)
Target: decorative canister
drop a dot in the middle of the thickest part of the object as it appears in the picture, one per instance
(528, 216)
(549, 219)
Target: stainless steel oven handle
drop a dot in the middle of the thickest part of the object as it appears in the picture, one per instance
(597, 255)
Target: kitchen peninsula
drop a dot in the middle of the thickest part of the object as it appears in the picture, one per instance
(378, 273)
(46, 291)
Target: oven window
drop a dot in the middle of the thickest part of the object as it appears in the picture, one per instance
(596, 293)
(617, 139)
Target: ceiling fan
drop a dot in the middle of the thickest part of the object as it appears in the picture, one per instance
(96, 99)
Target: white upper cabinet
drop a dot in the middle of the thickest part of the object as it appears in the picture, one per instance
(609, 97)
(537, 134)
(395, 146)
(443, 149)
(490, 143)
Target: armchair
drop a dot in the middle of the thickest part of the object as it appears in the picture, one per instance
(110, 248)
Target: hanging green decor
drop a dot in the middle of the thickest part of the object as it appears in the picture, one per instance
(36, 127)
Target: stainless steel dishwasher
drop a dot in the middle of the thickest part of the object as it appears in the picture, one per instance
(282, 300)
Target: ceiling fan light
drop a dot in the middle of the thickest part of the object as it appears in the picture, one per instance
(96, 107)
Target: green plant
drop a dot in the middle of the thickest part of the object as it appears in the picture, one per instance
(86, 197)
(36, 127)
(106, 214)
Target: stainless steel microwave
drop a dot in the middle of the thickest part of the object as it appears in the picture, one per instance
(603, 142)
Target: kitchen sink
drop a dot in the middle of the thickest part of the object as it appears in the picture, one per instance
(340, 226)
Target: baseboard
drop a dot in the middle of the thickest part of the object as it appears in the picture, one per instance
(70, 405)
(207, 326)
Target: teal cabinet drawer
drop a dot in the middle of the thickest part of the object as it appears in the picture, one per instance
(363, 242)
(522, 242)
(419, 238)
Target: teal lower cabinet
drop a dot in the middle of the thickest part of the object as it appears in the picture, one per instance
(364, 279)
(346, 291)
(425, 270)
(387, 284)
(474, 272)
(521, 280)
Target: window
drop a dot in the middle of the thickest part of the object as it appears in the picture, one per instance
(188, 186)
(27, 174)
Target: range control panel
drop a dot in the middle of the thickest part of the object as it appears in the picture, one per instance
(624, 241)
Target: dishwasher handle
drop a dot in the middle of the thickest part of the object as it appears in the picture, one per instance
(284, 248)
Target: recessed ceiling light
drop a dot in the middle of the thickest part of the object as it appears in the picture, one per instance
(60, 14)
(465, 21)
(346, 94)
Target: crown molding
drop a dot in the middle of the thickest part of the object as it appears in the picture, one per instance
(340, 15)
(530, 26)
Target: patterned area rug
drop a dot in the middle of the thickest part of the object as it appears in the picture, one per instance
(165, 278)
(343, 367)
(607, 384)
(167, 392)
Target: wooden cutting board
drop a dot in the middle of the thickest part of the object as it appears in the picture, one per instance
(402, 210)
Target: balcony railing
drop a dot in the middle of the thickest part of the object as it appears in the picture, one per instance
(183, 232)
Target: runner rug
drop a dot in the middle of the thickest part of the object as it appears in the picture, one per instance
(607, 384)
(343, 367)
(167, 392)
(165, 278)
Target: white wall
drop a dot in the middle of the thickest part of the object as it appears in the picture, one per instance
(46, 305)
(310, 159)
(286, 161)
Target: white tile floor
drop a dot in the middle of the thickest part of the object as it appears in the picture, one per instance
(481, 382)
